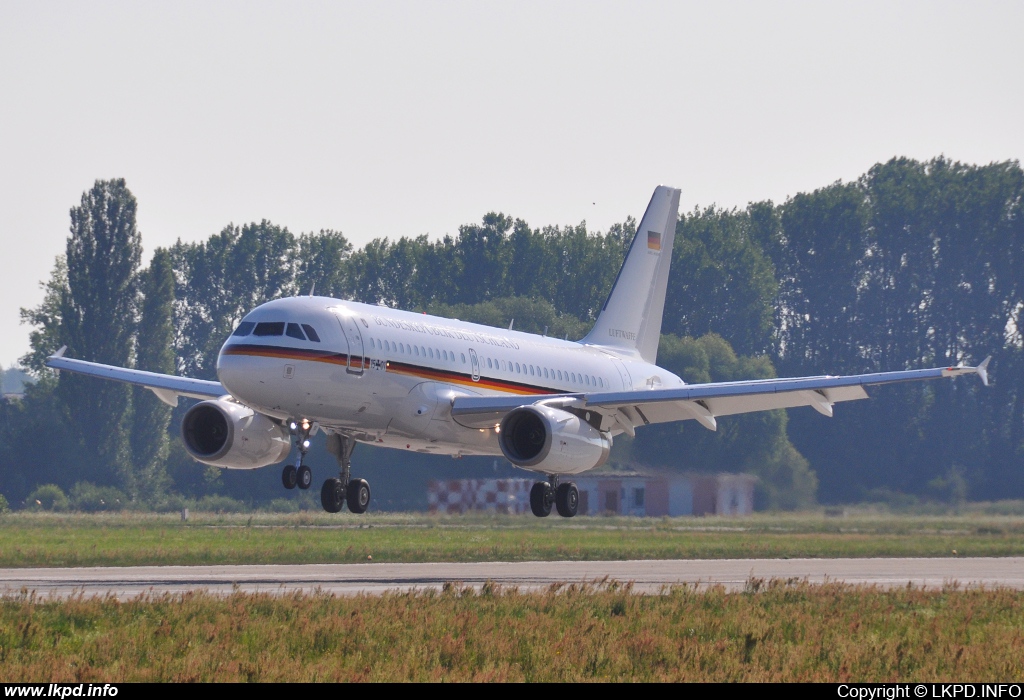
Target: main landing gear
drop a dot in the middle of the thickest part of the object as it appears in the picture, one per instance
(565, 497)
(299, 475)
(337, 493)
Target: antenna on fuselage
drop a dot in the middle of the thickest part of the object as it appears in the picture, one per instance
(311, 288)
(510, 324)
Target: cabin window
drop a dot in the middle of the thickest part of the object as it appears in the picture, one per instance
(489, 365)
(269, 328)
(586, 380)
(423, 351)
(416, 351)
(430, 353)
(531, 370)
(517, 368)
(600, 382)
(463, 357)
(546, 373)
(311, 333)
(401, 348)
(244, 328)
(293, 331)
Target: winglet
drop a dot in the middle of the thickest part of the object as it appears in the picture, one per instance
(983, 370)
(60, 353)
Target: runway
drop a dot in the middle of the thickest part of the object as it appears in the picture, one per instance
(650, 576)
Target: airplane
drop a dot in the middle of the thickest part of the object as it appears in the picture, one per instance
(369, 374)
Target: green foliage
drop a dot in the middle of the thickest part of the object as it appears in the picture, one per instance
(754, 443)
(90, 498)
(5, 507)
(97, 322)
(155, 353)
(721, 281)
(527, 315)
(47, 497)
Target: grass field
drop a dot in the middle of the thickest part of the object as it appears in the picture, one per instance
(773, 632)
(136, 539)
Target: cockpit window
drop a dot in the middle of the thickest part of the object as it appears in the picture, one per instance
(311, 333)
(244, 328)
(293, 331)
(269, 328)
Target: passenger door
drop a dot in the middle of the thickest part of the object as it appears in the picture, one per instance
(353, 334)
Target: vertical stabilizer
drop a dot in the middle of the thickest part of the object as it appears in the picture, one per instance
(631, 317)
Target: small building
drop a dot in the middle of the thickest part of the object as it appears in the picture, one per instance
(628, 494)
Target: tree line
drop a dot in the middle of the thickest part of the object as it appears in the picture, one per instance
(914, 264)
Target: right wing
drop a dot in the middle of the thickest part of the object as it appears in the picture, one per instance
(626, 410)
(167, 387)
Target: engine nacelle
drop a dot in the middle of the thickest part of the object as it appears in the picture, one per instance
(552, 441)
(226, 434)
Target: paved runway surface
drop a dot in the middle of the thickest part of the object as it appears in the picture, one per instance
(647, 576)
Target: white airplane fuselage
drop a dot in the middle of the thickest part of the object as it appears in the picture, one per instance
(388, 377)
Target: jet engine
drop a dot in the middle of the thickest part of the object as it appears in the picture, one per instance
(551, 440)
(227, 434)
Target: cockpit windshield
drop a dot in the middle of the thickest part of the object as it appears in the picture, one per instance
(244, 328)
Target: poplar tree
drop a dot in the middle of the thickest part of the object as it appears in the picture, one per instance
(97, 311)
(155, 353)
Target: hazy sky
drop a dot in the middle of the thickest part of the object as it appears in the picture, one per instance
(402, 118)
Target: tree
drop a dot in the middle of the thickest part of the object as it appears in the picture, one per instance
(97, 323)
(721, 281)
(155, 353)
(754, 443)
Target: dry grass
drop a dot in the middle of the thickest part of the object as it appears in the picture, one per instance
(776, 631)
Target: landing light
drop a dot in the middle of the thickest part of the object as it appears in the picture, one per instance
(305, 443)
(293, 426)
(497, 427)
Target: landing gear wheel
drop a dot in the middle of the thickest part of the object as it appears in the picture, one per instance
(540, 499)
(289, 477)
(304, 477)
(358, 495)
(567, 499)
(332, 496)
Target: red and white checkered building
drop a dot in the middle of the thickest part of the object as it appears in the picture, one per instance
(509, 496)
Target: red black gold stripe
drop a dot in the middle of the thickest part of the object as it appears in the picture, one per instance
(331, 358)
(405, 369)
(441, 375)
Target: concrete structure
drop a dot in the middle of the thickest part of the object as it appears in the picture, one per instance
(628, 494)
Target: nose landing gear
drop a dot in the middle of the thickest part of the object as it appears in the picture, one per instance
(565, 497)
(299, 475)
(337, 493)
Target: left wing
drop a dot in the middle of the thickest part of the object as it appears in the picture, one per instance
(626, 410)
(167, 387)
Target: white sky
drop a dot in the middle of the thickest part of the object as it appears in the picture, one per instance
(402, 118)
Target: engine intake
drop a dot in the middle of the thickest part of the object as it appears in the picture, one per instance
(226, 434)
(551, 440)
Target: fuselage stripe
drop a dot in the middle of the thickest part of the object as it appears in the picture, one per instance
(402, 368)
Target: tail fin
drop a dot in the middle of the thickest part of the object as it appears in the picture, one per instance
(631, 317)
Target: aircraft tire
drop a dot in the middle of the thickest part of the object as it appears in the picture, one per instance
(567, 499)
(358, 495)
(304, 477)
(289, 477)
(540, 502)
(332, 496)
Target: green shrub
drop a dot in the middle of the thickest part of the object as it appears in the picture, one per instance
(47, 497)
(90, 498)
(4, 505)
(221, 504)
